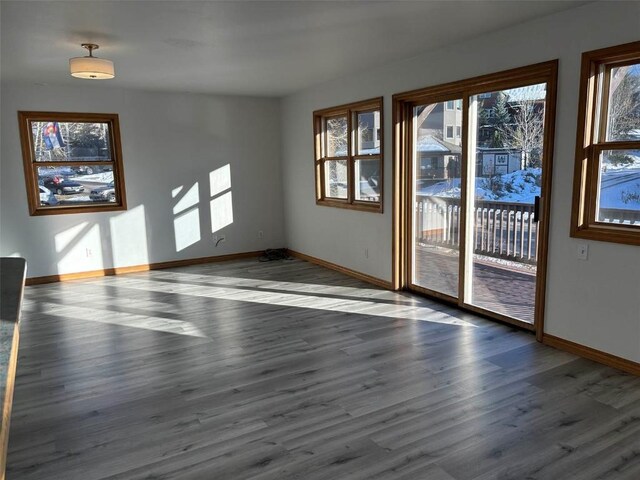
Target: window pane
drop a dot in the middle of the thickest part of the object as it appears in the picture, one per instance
(336, 128)
(70, 141)
(335, 178)
(511, 120)
(619, 187)
(504, 186)
(436, 198)
(367, 174)
(368, 133)
(624, 104)
(74, 186)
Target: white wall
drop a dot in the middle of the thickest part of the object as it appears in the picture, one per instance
(168, 141)
(594, 302)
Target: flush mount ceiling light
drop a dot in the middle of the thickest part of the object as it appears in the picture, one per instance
(91, 67)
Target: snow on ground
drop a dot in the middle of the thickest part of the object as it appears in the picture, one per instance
(104, 177)
(520, 186)
(620, 187)
(428, 143)
(76, 198)
(448, 188)
(621, 190)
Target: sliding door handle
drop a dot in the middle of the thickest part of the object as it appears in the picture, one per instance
(536, 209)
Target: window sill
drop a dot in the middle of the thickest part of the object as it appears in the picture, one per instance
(361, 206)
(41, 211)
(613, 234)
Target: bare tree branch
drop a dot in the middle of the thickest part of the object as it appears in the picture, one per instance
(526, 129)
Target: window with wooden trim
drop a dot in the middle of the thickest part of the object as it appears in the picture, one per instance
(606, 196)
(348, 155)
(72, 162)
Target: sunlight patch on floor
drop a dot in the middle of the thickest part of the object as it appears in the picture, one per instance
(359, 307)
(123, 319)
(355, 292)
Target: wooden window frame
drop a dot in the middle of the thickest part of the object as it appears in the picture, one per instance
(351, 112)
(591, 142)
(25, 120)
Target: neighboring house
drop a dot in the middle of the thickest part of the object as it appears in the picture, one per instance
(438, 159)
(369, 124)
(523, 117)
(443, 119)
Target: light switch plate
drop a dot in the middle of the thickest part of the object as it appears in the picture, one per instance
(582, 251)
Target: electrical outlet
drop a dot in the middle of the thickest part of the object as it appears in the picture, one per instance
(366, 253)
(89, 253)
(582, 251)
(260, 234)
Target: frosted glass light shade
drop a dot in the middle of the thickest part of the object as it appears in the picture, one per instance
(91, 67)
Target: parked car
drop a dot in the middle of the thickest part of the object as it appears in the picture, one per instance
(91, 169)
(62, 186)
(108, 192)
(51, 179)
(46, 196)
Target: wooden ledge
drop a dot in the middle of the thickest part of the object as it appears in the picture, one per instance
(12, 278)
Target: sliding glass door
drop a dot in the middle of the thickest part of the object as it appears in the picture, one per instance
(476, 162)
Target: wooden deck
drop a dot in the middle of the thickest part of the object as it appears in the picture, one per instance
(285, 370)
(497, 288)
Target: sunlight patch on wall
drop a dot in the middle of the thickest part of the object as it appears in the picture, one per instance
(221, 212)
(187, 229)
(220, 180)
(129, 238)
(65, 238)
(189, 199)
(186, 224)
(80, 248)
(221, 204)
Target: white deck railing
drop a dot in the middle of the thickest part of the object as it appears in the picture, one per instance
(502, 229)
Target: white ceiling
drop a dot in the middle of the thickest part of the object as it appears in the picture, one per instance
(270, 48)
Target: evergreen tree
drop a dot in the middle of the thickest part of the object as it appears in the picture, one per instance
(500, 119)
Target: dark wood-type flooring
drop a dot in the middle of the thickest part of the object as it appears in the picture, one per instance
(285, 370)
